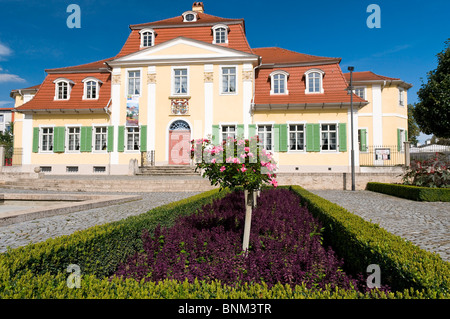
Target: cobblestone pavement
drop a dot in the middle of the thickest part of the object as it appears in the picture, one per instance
(38, 230)
(425, 224)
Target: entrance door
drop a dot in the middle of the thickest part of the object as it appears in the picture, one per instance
(179, 143)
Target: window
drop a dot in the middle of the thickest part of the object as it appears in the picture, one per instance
(62, 88)
(329, 137)
(180, 77)
(228, 131)
(2, 118)
(47, 139)
(402, 137)
(279, 82)
(147, 38)
(314, 81)
(362, 140)
(296, 137)
(189, 16)
(265, 136)
(401, 97)
(91, 88)
(220, 34)
(361, 92)
(134, 82)
(132, 138)
(229, 80)
(100, 138)
(73, 139)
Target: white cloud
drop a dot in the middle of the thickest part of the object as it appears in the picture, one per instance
(4, 51)
(6, 103)
(11, 78)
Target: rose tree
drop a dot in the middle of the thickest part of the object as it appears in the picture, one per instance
(236, 163)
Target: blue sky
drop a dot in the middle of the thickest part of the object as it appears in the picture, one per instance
(34, 35)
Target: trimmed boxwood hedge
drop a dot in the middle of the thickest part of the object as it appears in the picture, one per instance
(39, 270)
(361, 243)
(417, 193)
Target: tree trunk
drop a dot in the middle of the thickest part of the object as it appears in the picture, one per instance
(249, 204)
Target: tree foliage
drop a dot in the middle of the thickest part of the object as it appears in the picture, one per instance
(432, 113)
(413, 128)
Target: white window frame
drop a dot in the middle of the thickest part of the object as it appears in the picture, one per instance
(215, 29)
(69, 84)
(289, 123)
(263, 143)
(221, 87)
(403, 139)
(307, 74)
(94, 134)
(133, 139)
(68, 127)
(41, 137)
(97, 88)
(272, 82)
(174, 68)
(185, 14)
(401, 97)
(337, 137)
(227, 132)
(363, 88)
(143, 32)
(128, 81)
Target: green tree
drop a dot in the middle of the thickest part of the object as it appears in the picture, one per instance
(432, 113)
(413, 128)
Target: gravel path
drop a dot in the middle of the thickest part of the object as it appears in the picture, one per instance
(425, 224)
(38, 230)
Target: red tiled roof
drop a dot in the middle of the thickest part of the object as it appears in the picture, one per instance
(202, 18)
(44, 98)
(92, 66)
(334, 86)
(275, 55)
(367, 76)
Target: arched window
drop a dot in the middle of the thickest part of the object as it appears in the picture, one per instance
(63, 87)
(189, 16)
(91, 88)
(314, 81)
(220, 34)
(278, 80)
(180, 125)
(147, 38)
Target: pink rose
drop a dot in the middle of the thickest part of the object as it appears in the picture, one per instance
(222, 169)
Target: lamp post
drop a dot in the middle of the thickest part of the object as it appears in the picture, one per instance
(350, 91)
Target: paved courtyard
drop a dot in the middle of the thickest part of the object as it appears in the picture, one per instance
(425, 224)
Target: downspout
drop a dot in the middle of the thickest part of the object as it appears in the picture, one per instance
(252, 104)
(106, 109)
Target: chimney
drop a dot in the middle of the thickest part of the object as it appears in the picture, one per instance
(198, 7)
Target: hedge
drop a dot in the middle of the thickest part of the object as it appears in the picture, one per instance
(417, 193)
(361, 243)
(39, 270)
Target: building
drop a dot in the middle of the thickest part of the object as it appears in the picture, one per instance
(193, 76)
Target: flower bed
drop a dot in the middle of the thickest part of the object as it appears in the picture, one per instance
(285, 247)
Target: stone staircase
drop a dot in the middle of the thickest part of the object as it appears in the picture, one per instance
(181, 170)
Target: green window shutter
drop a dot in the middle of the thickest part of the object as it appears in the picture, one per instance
(35, 139)
(283, 137)
(399, 140)
(406, 136)
(342, 137)
(59, 136)
(143, 138)
(313, 137)
(251, 130)
(215, 134)
(363, 141)
(276, 137)
(121, 139)
(110, 142)
(240, 130)
(86, 139)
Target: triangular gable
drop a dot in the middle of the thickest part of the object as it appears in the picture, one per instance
(184, 48)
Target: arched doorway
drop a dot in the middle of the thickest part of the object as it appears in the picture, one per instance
(179, 143)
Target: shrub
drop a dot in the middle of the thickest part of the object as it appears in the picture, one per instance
(285, 246)
(432, 172)
(403, 265)
(411, 192)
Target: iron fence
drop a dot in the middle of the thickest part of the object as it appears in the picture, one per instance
(382, 155)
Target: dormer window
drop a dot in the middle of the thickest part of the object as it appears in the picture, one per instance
(147, 38)
(189, 16)
(63, 87)
(278, 79)
(314, 81)
(220, 33)
(91, 88)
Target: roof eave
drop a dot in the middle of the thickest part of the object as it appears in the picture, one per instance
(304, 106)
